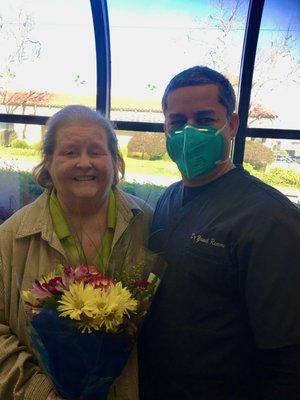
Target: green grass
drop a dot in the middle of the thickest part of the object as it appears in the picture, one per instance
(147, 167)
(20, 154)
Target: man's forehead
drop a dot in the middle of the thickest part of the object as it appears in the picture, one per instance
(206, 112)
(192, 94)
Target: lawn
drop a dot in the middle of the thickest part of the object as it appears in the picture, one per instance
(25, 159)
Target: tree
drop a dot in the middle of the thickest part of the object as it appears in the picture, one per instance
(17, 46)
(215, 37)
(147, 146)
(258, 155)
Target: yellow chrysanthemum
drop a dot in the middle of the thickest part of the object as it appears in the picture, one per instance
(29, 298)
(89, 325)
(112, 304)
(78, 301)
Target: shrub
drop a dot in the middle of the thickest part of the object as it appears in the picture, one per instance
(37, 146)
(19, 144)
(147, 146)
(146, 191)
(283, 177)
(258, 155)
(276, 176)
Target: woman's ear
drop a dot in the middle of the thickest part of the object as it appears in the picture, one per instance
(48, 160)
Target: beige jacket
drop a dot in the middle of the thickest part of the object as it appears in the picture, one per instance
(29, 248)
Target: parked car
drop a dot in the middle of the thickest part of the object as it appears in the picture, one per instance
(280, 157)
(296, 159)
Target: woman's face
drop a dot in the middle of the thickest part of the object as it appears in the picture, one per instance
(81, 166)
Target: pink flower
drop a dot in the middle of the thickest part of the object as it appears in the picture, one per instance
(54, 285)
(141, 284)
(84, 272)
(39, 291)
(68, 277)
(101, 281)
(93, 270)
(80, 272)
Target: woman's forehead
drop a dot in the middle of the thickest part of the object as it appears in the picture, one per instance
(83, 132)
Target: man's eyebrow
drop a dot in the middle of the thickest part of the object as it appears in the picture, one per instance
(177, 115)
(202, 113)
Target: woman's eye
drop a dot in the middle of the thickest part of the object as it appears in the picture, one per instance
(97, 152)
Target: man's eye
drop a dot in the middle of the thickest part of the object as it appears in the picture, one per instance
(177, 123)
(205, 121)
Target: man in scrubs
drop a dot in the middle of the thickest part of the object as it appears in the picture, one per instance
(225, 323)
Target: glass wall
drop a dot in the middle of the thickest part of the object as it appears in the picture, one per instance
(152, 41)
(276, 162)
(146, 158)
(276, 79)
(48, 60)
(47, 56)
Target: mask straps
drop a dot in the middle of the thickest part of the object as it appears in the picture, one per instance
(221, 129)
(219, 162)
(183, 150)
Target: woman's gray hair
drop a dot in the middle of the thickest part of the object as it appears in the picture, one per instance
(76, 115)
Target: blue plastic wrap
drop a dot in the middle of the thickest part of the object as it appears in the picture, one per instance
(81, 365)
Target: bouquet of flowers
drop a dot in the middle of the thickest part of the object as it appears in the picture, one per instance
(83, 325)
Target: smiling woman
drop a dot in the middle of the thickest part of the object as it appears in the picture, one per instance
(81, 218)
(81, 166)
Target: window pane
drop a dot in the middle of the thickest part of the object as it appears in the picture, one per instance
(19, 153)
(276, 162)
(146, 158)
(152, 41)
(47, 56)
(275, 90)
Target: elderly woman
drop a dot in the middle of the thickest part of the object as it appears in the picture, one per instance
(81, 217)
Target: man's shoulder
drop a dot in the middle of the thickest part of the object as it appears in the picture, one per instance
(253, 198)
(173, 189)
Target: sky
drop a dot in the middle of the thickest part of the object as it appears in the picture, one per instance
(150, 42)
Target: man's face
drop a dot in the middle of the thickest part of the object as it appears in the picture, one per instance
(199, 105)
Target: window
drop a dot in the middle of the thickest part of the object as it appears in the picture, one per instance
(146, 158)
(152, 41)
(275, 89)
(276, 162)
(47, 56)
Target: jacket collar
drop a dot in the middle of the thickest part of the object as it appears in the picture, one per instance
(37, 217)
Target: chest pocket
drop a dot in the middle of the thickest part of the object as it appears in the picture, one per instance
(209, 268)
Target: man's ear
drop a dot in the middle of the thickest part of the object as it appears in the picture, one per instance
(234, 124)
(165, 129)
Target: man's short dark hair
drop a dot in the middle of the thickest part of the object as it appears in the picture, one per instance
(200, 75)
